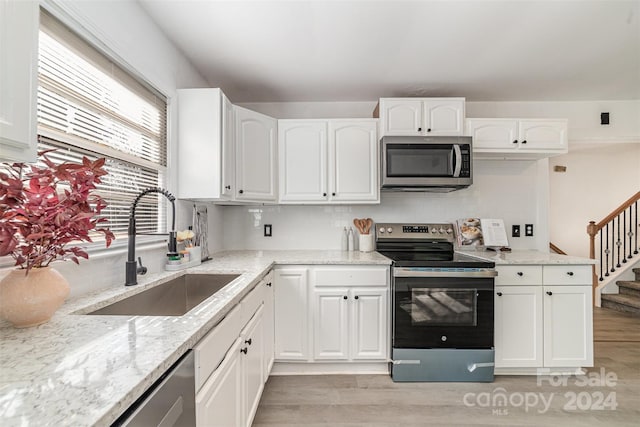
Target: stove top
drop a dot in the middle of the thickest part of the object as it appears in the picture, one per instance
(423, 245)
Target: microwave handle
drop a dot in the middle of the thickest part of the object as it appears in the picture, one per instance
(456, 161)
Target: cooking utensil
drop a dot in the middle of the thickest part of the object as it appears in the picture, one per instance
(363, 225)
(368, 225)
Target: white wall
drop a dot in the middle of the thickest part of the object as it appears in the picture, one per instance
(598, 179)
(123, 28)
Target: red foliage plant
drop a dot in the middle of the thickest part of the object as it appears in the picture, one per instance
(43, 208)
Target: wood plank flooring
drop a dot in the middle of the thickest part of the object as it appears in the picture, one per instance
(376, 401)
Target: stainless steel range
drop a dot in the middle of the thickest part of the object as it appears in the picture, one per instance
(442, 305)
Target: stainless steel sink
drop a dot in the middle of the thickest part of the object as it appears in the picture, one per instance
(173, 298)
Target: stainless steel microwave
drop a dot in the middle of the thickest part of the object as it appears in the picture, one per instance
(432, 163)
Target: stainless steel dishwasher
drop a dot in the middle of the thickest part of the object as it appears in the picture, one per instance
(169, 402)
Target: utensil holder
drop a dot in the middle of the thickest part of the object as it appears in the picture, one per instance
(366, 243)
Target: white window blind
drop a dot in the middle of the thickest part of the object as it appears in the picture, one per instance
(88, 105)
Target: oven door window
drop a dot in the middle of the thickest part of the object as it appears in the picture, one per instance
(442, 307)
(419, 160)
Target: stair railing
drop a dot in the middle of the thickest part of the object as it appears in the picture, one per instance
(617, 239)
(556, 249)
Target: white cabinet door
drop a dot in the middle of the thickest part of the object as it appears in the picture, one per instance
(252, 357)
(302, 150)
(443, 116)
(255, 156)
(291, 311)
(568, 326)
(268, 324)
(228, 149)
(525, 137)
(18, 80)
(369, 323)
(499, 134)
(219, 401)
(205, 145)
(330, 323)
(353, 160)
(401, 116)
(518, 326)
(543, 134)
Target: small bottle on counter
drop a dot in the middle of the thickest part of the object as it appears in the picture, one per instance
(350, 239)
(345, 245)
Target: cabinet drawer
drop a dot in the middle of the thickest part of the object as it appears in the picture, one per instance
(366, 276)
(567, 274)
(211, 349)
(251, 302)
(519, 275)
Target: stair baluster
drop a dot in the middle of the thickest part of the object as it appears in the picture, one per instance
(614, 232)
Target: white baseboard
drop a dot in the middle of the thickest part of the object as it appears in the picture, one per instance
(330, 368)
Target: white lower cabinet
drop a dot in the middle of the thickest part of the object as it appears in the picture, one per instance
(291, 311)
(252, 366)
(518, 326)
(233, 361)
(268, 324)
(219, 402)
(568, 326)
(349, 324)
(332, 314)
(543, 317)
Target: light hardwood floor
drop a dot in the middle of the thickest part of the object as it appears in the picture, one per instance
(375, 400)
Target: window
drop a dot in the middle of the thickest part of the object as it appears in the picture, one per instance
(88, 105)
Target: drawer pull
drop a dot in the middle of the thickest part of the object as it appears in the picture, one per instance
(520, 273)
(570, 273)
(499, 294)
(243, 350)
(269, 284)
(248, 341)
(549, 293)
(344, 297)
(357, 297)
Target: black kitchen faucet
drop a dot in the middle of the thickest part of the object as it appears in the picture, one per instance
(132, 267)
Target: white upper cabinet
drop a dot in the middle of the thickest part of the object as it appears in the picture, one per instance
(518, 138)
(328, 161)
(206, 165)
(256, 165)
(18, 80)
(421, 116)
(353, 160)
(302, 150)
(401, 116)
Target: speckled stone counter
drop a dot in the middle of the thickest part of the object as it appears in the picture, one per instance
(527, 257)
(79, 370)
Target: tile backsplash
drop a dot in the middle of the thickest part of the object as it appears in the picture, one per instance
(510, 190)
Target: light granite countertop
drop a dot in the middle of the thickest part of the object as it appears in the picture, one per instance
(524, 257)
(81, 370)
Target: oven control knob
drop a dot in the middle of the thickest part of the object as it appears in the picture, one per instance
(443, 338)
(381, 230)
(449, 230)
(441, 230)
(389, 230)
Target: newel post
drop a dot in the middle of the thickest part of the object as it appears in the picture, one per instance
(592, 230)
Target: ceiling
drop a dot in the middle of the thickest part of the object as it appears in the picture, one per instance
(273, 51)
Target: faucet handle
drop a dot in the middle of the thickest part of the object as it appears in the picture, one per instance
(141, 269)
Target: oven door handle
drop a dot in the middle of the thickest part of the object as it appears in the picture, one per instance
(408, 272)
